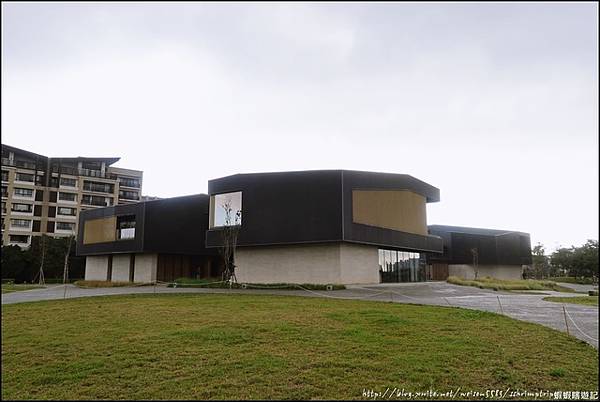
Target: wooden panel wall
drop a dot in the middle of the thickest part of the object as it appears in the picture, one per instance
(400, 210)
(100, 230)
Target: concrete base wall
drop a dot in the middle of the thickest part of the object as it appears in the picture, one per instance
(359, 264)
(145, 268)
(508, 272)
(330, 263)
(96, 268)
(120, 267)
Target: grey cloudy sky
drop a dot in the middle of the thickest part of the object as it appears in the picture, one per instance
(496, 104)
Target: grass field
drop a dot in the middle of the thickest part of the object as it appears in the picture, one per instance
(274, 347)
(501, 284)
(8, 288)
(585, 300)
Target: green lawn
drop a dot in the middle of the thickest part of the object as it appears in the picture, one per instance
(8, 288)
(586, 300)
(224, 346)
(510, 285)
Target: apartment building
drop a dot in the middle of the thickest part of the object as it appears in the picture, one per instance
(44, 195)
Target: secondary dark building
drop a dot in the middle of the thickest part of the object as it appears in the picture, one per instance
(498, 253)
(324, 226)
(159, 240)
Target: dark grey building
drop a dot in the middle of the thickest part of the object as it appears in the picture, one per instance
(323, 226)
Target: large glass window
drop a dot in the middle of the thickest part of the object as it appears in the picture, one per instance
(67, 196)
(129, 182)
(23, 192)
(20, 223)
(126, 227)
(26, 177)
(68, 182)
(66, 211)
(19, 239)
(21, 207)
(65, 226)
(129, 195)
(98, 187)
(96, 200)
(226, 209)
(401, 266)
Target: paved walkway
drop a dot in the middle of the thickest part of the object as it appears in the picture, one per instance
(582, 320)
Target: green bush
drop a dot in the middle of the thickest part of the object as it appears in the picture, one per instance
(103, 284)
(570, 279)
(503, 284)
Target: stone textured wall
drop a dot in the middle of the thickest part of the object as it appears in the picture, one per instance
(145, 268)
(464, 271)
(327, 263)
(359, 264)
(120, 267)
(96, 268)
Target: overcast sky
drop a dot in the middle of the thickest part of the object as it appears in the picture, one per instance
(494, 104)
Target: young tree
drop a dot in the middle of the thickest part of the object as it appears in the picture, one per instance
(540, 262)
(229, 234)
(475, 261)
(66, 265)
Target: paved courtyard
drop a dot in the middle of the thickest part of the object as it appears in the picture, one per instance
(582, 320)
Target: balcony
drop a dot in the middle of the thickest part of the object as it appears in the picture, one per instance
(129, 196)
(97, 187)
(85, 172)
(18, 163)
(95, 201)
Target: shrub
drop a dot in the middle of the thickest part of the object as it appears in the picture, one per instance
(217, 283)
(503, 284)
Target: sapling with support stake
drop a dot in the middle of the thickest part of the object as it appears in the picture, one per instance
(66, 266)
(229, 235)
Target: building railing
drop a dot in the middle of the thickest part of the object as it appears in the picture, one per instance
(100, 188)
(18, 163)
(85, 172)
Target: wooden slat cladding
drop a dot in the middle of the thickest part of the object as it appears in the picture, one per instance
(439, 272)
(401, 210)
(100, 230)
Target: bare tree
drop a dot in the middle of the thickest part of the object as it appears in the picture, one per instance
(229, 234)
(475, 261)
(42, 280)
(66, 266)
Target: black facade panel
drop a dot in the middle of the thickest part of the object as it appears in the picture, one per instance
(177, 225)
(284, 208)
(496, 247)
(525, 249)
(39, 195)
(393, 239)
(508, 248)
(463, 243)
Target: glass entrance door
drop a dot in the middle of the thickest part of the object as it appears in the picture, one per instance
(401, 266)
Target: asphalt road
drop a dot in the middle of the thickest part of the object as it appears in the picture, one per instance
(582, 320)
